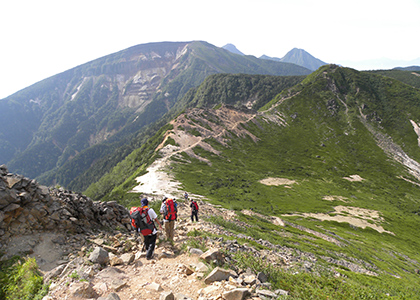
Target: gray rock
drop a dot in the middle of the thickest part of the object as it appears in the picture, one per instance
(250, 279)
(182, 297)
(82, 290)
(201, 267)
(127, 258)
(154, 287)
(99, 256)
(262, 277)
(3, 170)
(167, 296)
(236, 294)
(266, 293)
(195, 251)
(219, 274)
(212, 255)
(54, 273)
(112, 296)
(281, 292)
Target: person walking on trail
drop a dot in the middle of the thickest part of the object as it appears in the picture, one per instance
(186, 196)
(143, 218)
(169, 211)
(194, 210)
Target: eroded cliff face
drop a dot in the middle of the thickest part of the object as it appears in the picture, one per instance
(137, 90)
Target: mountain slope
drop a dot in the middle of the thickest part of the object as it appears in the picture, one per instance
(410, 77)
(335, 157)
(99, 105)
(241, 91)
(299, 57)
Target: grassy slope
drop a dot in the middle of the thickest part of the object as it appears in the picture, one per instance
(322, 144)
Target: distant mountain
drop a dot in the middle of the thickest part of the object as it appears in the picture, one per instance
(411, 68)
(64, 125)
(232, 48)
(380, 64)
(299, 57)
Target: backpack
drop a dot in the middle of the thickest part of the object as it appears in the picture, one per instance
(170, 210)
(194, 206)
(140, 219)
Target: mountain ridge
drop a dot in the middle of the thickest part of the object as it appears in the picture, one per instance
(332, 155)
(101, 103)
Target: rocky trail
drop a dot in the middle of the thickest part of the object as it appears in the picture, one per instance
(175, 272)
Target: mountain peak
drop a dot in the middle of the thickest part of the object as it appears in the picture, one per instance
(232, 48)
(299, 57)
(302, 58)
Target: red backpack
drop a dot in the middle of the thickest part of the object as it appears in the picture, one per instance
(170, 210)
(195, 206)
(140, 219)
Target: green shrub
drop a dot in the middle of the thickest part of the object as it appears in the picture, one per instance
(21, 279)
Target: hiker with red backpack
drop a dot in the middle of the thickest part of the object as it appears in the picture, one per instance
(169, 211)
(143, 218)
(194, 210)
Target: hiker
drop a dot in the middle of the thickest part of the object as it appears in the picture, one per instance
(194, 210)
(169, 211)
(186, 196)
(146, 226)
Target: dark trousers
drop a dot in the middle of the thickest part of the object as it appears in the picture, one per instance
(194, 214)
(149, 243)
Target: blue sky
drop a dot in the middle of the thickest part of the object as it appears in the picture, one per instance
(42, 38)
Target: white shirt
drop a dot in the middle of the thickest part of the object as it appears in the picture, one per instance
(161, 211)
(152, 216)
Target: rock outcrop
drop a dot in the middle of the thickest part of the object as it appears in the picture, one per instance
(27, 207)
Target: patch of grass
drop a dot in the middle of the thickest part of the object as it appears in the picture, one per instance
(171, 141)
(74, 275)
(325, 285)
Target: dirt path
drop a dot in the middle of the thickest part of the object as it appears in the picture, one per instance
(168, 271)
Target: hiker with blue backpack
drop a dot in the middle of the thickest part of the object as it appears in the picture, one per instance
(169, 210)
(143, 218)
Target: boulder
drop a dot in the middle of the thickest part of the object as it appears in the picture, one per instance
(236, 294)
(196, 251)
(82, 290)
(99, 256)
(112, 296)
(262, 277)
(219, 274)
(212, 255)
(154, 287)
(167, 296)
